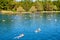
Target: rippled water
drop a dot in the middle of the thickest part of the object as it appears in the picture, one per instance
(14, 25)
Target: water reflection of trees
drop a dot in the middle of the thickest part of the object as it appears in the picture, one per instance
(26, 19)
(7, 19)
(6, 26)
(27, 16)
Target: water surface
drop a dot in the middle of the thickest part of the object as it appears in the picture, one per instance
(14, 25)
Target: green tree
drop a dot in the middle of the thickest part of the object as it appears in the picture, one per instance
(48, 6)
(7, 4)
(27, 4)
(39, 5)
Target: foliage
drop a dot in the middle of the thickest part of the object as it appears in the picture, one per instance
(27, 4)
(48, 6)
(39, 6)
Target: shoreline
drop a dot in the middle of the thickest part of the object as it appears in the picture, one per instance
(11, 12)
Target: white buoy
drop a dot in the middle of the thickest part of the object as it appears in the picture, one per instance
(49, 19)
(20, 36)
(25, 18)
(55, 20)
(40, 16)
(30, 16)
(16, 15)
(3, 20)
(51, 15)
(37, 30)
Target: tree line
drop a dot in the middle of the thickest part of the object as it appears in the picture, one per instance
(27, 4)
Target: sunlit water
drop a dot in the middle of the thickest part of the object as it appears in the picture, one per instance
(31, 26)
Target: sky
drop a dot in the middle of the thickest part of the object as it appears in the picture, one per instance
(35, 0)
(20, 0)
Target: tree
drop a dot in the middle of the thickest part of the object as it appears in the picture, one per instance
(39, 5)
(27, 4)
(48, 6)
(7, 4)
(58, 5)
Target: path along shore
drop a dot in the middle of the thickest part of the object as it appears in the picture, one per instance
(11, 12)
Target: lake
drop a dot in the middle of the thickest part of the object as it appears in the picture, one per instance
(43, 26)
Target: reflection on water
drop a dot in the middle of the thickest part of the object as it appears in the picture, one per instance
(46, 25)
